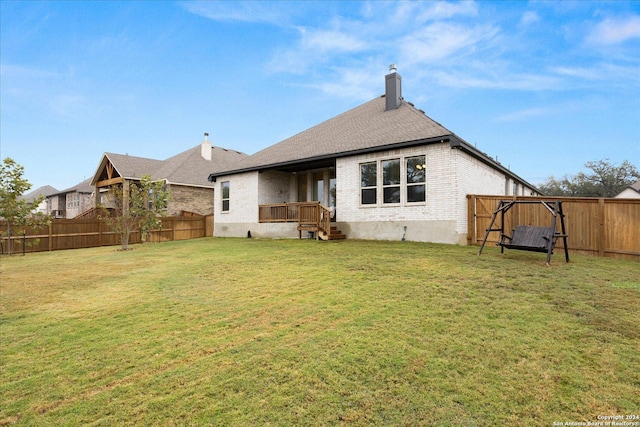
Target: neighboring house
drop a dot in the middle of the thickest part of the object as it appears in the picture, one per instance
(48, 204)
(383, 169)
(73, 201)
(185, 175)
(631, 192)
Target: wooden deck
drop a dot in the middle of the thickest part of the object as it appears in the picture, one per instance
(311, 217)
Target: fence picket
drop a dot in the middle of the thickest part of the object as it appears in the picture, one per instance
(596, 226)
(90, 232)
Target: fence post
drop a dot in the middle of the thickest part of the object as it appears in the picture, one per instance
(51, 236)
(471, 220)
(602, 227)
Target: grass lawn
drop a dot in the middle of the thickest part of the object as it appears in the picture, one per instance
(288, 332)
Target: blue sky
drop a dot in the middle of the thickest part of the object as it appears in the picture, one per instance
(544, 86)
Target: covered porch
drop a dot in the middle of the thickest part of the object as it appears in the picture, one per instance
(301, 194)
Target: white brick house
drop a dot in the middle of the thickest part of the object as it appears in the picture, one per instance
(384, 168)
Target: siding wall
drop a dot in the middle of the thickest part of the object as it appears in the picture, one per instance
(86, 202)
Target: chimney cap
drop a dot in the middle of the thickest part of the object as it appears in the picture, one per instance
(206, 135)
(393, 68)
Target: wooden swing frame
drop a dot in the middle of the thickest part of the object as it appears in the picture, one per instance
(528, 237)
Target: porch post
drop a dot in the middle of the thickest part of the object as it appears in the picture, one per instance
(326, 177)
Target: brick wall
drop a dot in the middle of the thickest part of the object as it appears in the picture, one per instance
(274, 187)
(440, 187)
(243, 199)
(451, 175)
(191, 199)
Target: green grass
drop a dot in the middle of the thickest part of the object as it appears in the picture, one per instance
(288, 332)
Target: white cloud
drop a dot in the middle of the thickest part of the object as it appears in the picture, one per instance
(274, 13)
(528, 18)
(351, 83)
(330, 41)
(442, 40)
(443, 10)
(602, 72)
(499, 77)
(577, 72)
(615, 30)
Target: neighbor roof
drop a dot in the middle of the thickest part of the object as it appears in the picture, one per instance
(45, 191)
(186, 168)
(363, 128)
(635, 186)
(82, 187)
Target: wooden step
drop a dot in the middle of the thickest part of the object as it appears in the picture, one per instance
(334, 234)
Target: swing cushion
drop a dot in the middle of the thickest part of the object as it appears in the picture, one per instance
(530, 238)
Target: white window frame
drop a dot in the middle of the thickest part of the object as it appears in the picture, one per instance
(403, 185)
(369, 187)
(223, 198)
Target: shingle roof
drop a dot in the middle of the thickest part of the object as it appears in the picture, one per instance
(186, 168)
(45, 191)
(191, 168)
(367, 126)
(82, 187)
(132, 167)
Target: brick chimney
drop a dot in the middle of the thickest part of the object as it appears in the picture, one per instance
(205, 148)
(393, 89)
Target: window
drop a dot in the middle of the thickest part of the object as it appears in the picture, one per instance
(416, 178)
(225, 196)
(391, 181)
(73, 201)
(368, 183)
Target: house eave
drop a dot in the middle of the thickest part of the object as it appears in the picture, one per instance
(460, 144)
(333, 156)
(183, 184)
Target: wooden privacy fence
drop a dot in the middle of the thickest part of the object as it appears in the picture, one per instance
(595, 226)
(91, 232)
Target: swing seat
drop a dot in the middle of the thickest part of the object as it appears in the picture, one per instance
(529, 238)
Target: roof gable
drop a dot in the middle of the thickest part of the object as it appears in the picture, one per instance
(186, 168)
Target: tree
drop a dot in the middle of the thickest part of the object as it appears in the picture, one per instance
(138, 207)
(14, 209)
(605, 180)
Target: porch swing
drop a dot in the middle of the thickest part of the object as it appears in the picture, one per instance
(529, 237)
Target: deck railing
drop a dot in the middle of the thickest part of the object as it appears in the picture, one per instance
(309, 214)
